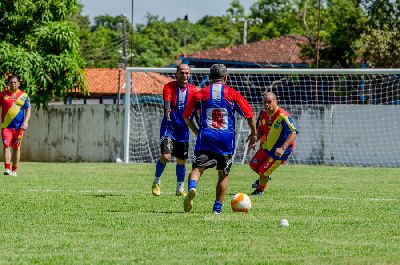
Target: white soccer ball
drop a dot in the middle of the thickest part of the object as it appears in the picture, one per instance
(241, 202)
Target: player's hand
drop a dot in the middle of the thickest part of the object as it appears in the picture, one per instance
(24, 126)
(168, 115)
(252, 139)
(279, 151)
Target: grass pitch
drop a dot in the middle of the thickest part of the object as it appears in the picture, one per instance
(92, 213)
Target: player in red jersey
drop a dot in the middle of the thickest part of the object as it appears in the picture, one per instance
(174, 133)
(276, 133)
(15, 115)
(215, 144)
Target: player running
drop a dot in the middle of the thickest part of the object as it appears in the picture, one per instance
(174, 133)
(276, 133)
(215, 142)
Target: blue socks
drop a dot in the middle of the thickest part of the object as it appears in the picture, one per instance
(192, 184)
(159, 168)
(217, 206)
(180, 173)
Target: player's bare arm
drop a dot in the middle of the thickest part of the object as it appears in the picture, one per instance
(26, 120)
(281, 150)
(192, 126)
(252, 138)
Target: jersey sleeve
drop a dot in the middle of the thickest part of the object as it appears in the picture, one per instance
(167, 92)
(191, 104)
(242, 106)
(288, 125)
(27, 104)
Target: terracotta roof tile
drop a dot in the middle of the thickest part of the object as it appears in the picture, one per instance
(283, 50)
(104, 81)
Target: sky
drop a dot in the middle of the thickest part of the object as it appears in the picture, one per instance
(170, 9)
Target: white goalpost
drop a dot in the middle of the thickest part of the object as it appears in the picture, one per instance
(345, 116)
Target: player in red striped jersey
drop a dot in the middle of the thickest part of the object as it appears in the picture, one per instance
(174, 133)
(215, 142)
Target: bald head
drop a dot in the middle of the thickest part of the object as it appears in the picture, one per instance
(270, 103)
(182, 74)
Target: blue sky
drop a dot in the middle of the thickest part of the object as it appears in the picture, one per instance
(170, 9)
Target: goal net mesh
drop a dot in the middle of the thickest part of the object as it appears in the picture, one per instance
(343, 117)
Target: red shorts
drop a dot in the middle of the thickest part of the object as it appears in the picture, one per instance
(263, 164)
(12, 137)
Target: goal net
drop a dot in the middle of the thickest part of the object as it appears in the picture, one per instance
(344, 117)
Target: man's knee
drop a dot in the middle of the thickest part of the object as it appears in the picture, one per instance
(164, 158)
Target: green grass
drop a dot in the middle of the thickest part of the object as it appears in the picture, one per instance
(92, 213)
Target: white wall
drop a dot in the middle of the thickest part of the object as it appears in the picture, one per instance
(90, 133)
(366, 135)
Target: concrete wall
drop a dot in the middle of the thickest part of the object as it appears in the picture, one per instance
(92, 133)
(365, 135)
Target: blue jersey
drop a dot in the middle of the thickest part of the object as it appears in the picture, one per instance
(176, 127)
(218, 104)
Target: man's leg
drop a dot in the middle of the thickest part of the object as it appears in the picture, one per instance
(16, 154)
(6, 137)
(166, 147)
(180, 176)
(256, 161)
(194, 177)
(266, 169)
(220, 191)
(180, 151)
(7, 152)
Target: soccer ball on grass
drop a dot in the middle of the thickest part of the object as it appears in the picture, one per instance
(241, 202)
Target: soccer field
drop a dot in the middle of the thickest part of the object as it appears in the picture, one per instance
(98, 213)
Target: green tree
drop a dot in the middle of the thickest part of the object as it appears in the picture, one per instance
(379, 44)
(41, 46)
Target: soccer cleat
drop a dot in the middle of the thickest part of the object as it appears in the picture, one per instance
(156, 189)
(257, 181)
(7, 172)
(255, 184)
(258, 192)
(216, 212)
(188, 202)
(180, 193)
(13, 173)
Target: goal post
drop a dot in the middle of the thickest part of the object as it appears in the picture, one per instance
(345, 116)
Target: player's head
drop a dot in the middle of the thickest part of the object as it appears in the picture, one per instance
(182, 74)
(270, 102)
(218, 73)
(13, 83)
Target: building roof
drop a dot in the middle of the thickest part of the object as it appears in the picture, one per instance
(283, 50)
(105, 81)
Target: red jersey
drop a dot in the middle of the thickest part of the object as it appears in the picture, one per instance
(218, 104)
(13, 106)
(176, 127)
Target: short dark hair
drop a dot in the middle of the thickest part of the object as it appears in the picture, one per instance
(218, 72)
(11, 77)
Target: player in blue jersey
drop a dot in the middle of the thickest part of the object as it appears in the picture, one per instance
(215, 142)
(174, 133)
(277, 133)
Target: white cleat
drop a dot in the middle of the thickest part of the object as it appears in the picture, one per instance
(7, 172)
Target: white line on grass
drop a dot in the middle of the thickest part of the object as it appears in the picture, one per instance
(71, 191)
(346, 198)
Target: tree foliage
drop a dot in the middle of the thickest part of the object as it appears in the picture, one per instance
(41, 46)
(349, 32)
